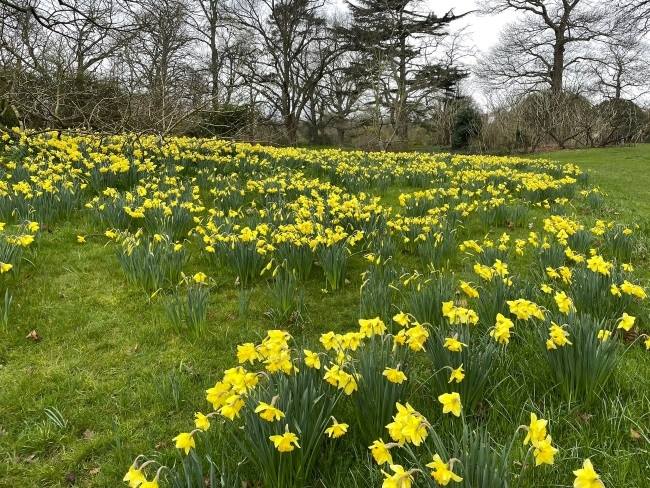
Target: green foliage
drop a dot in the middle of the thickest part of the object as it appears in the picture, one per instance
(308, 409)
(299, 259)
(477, 459)
(583, 368)
(437, 246)
(243, 259)
(104, 336)
(187, 307)
(334, 262)
(467, 125)
(423, 296)
(374, 402)
(492, 299)
(287, 297)
(152, 263)
(478, 360)
(592, 294)
(377, 293)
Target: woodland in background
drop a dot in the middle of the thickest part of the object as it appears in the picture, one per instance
(387, 74)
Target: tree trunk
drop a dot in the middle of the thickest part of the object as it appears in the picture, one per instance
(291, 129)
(214, 66)
(557, 72)
(340, 134)
(401, 126)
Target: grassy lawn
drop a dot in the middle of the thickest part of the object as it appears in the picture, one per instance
(622, 172)
(119, 382)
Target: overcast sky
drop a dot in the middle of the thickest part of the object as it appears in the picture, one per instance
(484, 29)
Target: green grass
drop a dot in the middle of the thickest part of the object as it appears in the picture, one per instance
(125, 383)
(622, 172)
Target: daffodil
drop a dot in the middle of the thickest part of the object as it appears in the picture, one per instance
(408, 425)
(604, 335)
(381, 452)
(544, 452)
(268, 412)
(247, 352)
(564, 303)
(536, 431)
(200, 277)
(626, 322)
(501, 330)
(201, 421)
(371, 327)
(185, 442)
(633, 290)
(394, 375)
(457, 374)
(312, 359)
(597, 264)
(453, 344)
(399, 479)
(558, 337)
(416, 337)
(401, 319)
(337, 429)
(286, 442)
(586, 477)
(451, 403)
(442, 472)
(470, 291)
(232, 406)
(134, 477)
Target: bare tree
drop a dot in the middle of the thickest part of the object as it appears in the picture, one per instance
(208, 27)
(61, 78)
(621, 68)
(209, 19)
(58, 15)
(635, 13)
(536, 51)
(344, 87)
(291, 52)
(159, 60)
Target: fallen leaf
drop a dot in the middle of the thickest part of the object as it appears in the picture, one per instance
(33, 335)
(585, 417)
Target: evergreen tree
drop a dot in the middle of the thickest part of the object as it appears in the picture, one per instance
(394, 37)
